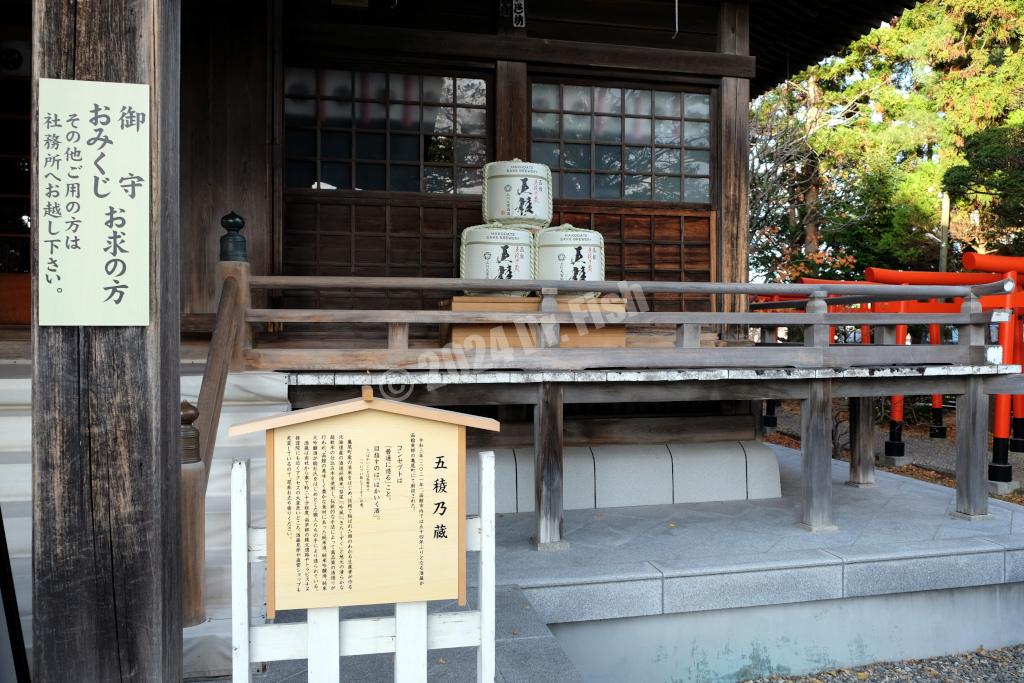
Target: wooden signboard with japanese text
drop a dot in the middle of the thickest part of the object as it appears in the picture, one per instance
(365, 508)
(93, 187)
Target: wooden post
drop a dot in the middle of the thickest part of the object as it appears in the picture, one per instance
(817, 335)
(769, 420)
(324, 644)
(238, 271)
(550, 333)
(816, 444)
(410, 642)
(972, 450)
(512, 119)
(106, 541)
(688, 336)
(733, 146)
(862, 441)
(398, 335)
(193, 521)
(972, 430)
(241, 577)
(547, 446)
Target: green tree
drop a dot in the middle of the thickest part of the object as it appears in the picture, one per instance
(993, 178)
(848, 157)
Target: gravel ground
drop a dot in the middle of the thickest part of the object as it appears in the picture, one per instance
(936, 454)
(1003, 666)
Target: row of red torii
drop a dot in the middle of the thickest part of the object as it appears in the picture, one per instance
(1008, 411)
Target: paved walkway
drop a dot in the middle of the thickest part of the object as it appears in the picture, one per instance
(662, 559)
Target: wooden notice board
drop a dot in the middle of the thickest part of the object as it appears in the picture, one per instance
(365, 504)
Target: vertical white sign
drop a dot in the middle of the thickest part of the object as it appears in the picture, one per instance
(93, 186)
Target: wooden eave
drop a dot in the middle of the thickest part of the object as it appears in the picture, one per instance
(786, 37)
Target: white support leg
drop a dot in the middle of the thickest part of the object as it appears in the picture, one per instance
(324, 654)
(240, 669)
(410, 642)
(485, 655)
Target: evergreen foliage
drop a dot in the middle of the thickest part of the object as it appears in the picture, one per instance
(850, 157)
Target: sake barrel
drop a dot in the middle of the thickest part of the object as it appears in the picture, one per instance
(497, 252)
(568, 253)
(517, 193)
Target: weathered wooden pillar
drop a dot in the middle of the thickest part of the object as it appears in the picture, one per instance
(512, 89)
(862, 441)
(972, 450)
(972, 428)
(769, 420)
(106, 538)
(548, 464)
(734, 146)
(816, 444)
(816, 429)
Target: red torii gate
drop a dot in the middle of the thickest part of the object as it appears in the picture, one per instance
(1009, 339)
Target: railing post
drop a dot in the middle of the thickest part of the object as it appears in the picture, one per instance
(769, 420)
(816, 334)
(398, 335)
(688, 336)
(234, 264)
(971, 450)
(816, 463)
(550, 333)
(548, 467)
(862, 441)
(193, 520)
(972, 427)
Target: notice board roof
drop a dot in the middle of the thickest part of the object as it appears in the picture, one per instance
(366, 402)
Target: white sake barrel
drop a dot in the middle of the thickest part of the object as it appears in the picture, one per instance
(517, 192)
(568, 253)
(497, 252)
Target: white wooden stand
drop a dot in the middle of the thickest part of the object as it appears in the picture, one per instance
(325, 638)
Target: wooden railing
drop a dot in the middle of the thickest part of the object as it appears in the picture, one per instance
(236, 347)
(544, 325)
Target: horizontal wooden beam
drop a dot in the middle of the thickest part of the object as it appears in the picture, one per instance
(351, 38)
(626, 287)
(840, 356)
(660, 392)
(586, 315)
(624, 430)
(1003, 384)
(665, 385)
(428, 395)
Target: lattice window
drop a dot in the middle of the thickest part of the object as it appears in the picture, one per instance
(383, 131)
(624, 143)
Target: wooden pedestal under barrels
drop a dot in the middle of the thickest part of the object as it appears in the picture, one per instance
(608, 336)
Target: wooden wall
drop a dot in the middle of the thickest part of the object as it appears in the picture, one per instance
(226, 138)
(648, 23)
(373, 233)
(232, 50)
(651, 242)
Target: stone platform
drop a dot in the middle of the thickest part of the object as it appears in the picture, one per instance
(724, 591)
